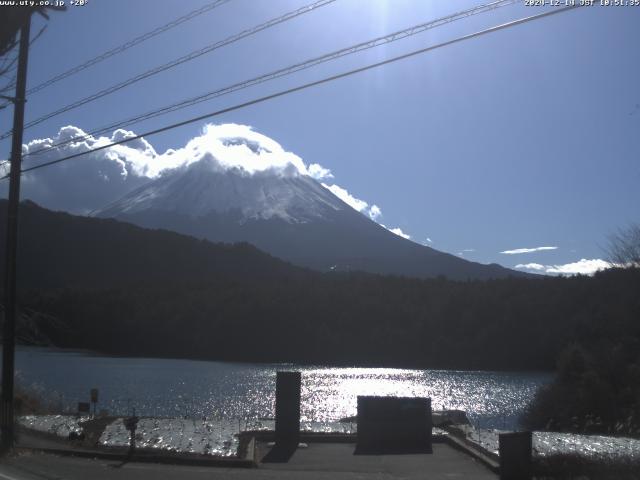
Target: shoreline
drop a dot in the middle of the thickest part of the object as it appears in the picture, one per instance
(304, 364)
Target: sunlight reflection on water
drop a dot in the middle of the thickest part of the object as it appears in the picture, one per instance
(489, 398)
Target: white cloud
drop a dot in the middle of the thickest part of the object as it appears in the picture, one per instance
(527, 250)
(530, 266)
(398, 231)
(346, 197)
(92, 181)
(236, 146)
(428, 240)
(581, 267)
(85, 183)
(373, 211)
(319, 172)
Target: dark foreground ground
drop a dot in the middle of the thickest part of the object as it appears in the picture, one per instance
(317, 461)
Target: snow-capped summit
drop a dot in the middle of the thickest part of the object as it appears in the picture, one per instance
(205, 187)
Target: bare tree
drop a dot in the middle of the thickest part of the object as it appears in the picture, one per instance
(624, 247)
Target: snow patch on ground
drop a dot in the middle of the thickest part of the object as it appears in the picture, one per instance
(177, 435)
(545, 444)
(59, 425)
(219, 436)
(202, 436)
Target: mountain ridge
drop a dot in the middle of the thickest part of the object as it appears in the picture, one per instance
(288, 215)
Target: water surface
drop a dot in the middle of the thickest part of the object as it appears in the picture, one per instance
(224, 390)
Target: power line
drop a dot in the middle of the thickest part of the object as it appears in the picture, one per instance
(195, 54)
(306, 86)
(127, 45)
(9, 66)
(120, 48)
(398, 35)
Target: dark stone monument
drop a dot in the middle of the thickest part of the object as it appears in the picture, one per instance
(288, 408)
(515, 455)
(394, 425)
(287, 418)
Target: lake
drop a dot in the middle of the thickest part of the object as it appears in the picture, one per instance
(177, 388)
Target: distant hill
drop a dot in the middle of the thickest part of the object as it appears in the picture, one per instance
(57, 249)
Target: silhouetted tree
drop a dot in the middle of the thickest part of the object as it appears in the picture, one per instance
(624, 246)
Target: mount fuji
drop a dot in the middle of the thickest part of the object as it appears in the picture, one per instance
(287, 214)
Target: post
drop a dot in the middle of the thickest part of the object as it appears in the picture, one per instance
(131, 424)
(288, 409)
(8, 348)
(515, 455)
(94, 400)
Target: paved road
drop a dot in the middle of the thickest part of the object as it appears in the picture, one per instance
(318, 462)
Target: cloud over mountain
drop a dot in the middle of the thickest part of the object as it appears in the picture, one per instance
(90, 182)
(373, 211)
(87, 182)
(398, 231)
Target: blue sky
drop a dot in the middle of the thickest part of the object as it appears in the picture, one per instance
(525, 138)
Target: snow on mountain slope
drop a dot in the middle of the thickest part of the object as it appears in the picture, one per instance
(204, 187)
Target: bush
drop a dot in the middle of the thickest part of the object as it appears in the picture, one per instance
(596, 390)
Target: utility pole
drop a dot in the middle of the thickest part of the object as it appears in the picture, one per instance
(8, 348)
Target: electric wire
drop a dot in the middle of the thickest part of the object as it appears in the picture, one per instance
(120, 48)
(385, 39)
(306, 86)
(127, 45)
(185, 58)
(7, 65)
(5, 68)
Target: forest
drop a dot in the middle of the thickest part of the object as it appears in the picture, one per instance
(119, 289)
